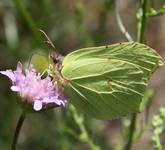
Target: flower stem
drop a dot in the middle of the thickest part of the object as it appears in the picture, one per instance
(17, 130)
(84, 137)
(143, 20)
(132, 128)
(141, 31)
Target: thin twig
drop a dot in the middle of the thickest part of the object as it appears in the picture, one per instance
(121, 25)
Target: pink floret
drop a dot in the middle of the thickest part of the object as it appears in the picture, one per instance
(41, 93)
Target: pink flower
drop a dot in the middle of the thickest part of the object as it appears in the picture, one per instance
(41, 93)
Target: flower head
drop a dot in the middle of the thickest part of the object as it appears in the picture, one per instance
(41, 93)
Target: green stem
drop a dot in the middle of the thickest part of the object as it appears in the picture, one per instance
(143, 21)
(84, 137)
(141, 31)
(28, 20)
(17, 130)
(132, 128)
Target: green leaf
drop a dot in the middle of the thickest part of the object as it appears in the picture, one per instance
(154, 13)
(147, 99)
(39, 61)
(158, 124)
(109, 81)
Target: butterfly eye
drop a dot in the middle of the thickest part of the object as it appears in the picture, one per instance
(53, 57)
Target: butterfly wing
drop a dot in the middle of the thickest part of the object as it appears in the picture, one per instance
(109, 81)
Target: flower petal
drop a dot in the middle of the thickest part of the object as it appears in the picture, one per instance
(40, 92)
(19, 67)
(37, 105)
(15, 88)
(9, 74)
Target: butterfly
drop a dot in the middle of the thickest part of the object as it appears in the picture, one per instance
(108, 82)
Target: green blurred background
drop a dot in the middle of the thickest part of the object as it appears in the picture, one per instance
(70, 24)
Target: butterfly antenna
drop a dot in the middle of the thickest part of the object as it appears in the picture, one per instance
(48, 41)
